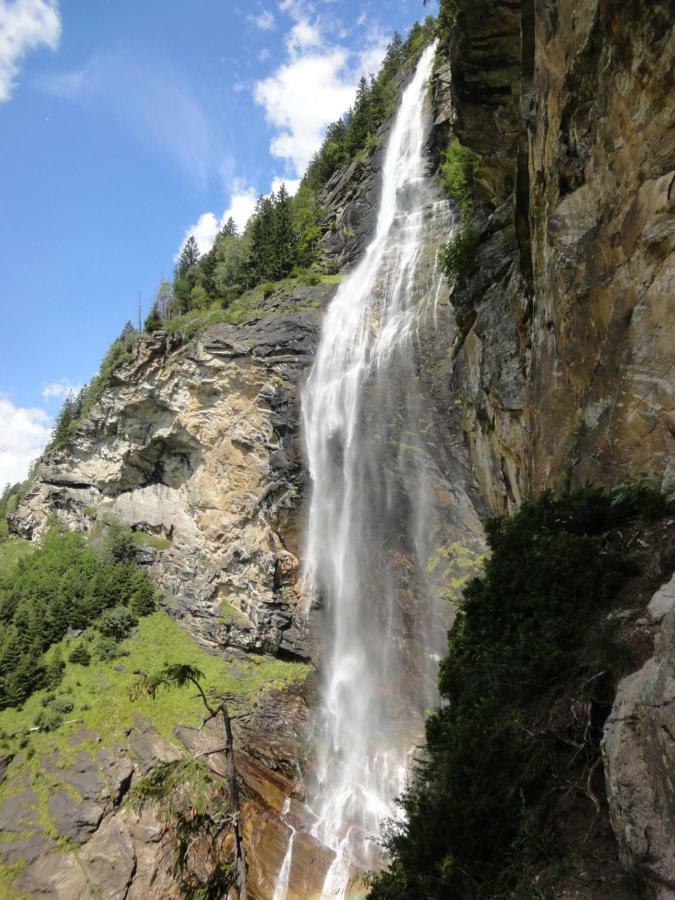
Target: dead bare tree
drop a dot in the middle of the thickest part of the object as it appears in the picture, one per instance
(182, 675)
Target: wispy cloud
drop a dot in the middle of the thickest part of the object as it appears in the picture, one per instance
(264, 20)
(61, 389)
(151, 98)
(24, 26)
(24, 431)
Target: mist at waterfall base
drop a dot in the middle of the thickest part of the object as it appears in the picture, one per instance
(374, 517)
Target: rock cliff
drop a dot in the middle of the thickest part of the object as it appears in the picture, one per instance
(194, 445)
(563, 356)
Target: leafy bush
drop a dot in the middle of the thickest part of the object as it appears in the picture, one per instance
(458, 254)
(116, 623)
(107, 648)
(48, 720)
(80, 655)
(458, 169)
(474, 811)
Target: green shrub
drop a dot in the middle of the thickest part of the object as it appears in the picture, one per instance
(48, 720)
(309, 278)
(107, 648)
(458, 170)
(458, 254)
(80, 655)
(64, 583)
(117, 623)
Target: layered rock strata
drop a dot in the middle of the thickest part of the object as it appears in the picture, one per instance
(194, 445)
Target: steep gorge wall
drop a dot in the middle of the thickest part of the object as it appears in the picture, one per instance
(564, 358)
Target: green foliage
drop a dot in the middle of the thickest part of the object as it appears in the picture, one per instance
(116, 623)
(80, 655)
(167, 779)
(60, 585)
(77, 407)
(68, 416)
(474, 811)
(458, 254)
(100, 691)
(458, 169)
(374, 103)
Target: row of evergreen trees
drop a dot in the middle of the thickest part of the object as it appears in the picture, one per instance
(283, 233)
(280, 236)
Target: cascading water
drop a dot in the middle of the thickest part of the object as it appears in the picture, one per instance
(373, 519)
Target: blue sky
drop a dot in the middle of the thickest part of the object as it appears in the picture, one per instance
(127, 125)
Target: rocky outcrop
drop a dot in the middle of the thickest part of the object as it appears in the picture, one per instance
(75, 833)
(639, 756)
(563, 358)
(195, 446)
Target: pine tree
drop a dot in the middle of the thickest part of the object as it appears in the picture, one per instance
(284, 239)
(262, 240)
(229, 229)
(188, 259)
(54, 669)
(153, 321)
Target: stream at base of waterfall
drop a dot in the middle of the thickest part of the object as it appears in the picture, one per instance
(376, 466)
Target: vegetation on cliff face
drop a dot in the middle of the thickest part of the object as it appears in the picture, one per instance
(532, 629)
(458, 168)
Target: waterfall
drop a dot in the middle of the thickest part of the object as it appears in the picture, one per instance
(372, 451)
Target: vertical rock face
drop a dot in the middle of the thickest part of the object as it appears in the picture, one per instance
(563, 360)
(563, 363)
(195, 446)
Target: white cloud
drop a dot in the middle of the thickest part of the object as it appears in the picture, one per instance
(60, 389)
(24, 431)
(264, 21)
(207, 226)
(242, 204)
(24, 25)
(302, 35)
(300, 99)
(292, 184)
(313, 87)
(204, 231)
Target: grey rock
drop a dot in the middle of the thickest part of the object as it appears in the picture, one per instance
(663, 601)
(639, 757)
(57, 876)
(73, 819)
(109, 860)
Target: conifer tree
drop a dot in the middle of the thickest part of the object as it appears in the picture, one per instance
(284, 240)
(189, 257)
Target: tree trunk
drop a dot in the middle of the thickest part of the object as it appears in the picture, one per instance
(234, 802)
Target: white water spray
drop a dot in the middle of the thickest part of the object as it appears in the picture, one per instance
(373, 456)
